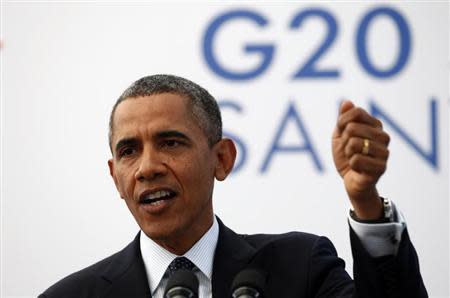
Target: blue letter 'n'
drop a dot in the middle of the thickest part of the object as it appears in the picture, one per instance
(431, 157)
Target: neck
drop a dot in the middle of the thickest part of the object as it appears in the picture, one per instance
(185, 240)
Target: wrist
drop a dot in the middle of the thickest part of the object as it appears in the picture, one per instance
(388, 213)
(370, 208)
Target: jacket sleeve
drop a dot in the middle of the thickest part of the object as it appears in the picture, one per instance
(383, 277)
(388, 276)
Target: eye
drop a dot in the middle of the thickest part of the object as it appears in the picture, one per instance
(171, 143)
(126, 151)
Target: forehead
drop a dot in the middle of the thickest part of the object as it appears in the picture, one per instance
(151, 105)
(158, 111)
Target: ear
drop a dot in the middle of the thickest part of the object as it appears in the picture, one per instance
(226, 155)
(113, 175)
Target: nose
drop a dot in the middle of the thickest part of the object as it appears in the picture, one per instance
(150, 166)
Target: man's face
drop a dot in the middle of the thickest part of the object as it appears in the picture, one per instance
(164, 168)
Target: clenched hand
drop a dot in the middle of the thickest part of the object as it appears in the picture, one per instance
(360, 155)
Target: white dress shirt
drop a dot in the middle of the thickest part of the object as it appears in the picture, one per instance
(157, 259)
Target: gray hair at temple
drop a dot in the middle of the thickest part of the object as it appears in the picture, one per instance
(203, 105)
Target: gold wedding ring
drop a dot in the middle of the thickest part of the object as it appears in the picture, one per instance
(365, 148)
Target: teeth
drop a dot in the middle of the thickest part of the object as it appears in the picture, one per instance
(158, 194)
(156, 203)
(156, 198)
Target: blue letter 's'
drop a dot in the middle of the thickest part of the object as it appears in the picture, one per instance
(242, 150)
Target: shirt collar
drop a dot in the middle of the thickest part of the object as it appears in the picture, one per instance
(156, 259)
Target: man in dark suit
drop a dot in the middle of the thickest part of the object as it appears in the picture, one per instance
(167, 147)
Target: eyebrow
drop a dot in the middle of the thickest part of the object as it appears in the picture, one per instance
(172, 134)
(160, 135)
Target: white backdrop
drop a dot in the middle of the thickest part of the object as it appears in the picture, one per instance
(64, 65)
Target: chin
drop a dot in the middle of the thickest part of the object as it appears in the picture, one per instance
(158, 231)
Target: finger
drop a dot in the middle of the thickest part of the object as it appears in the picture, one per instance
(355, 145)
(365, 131)
(357, 114)
(366, 164)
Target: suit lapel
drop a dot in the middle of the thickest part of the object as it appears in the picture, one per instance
(126, 275)
(233, 253)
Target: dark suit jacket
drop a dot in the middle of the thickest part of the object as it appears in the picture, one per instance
(297, 265)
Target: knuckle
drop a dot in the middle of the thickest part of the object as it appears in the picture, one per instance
(348, 151)
(345, 136)
(351, 128)
(383, 137)
(387, 139)
(359, 111)
(354, 161)
(378, 122)
(353, 143)
(351, 147)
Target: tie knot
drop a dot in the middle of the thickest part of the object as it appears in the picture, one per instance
(180, 263)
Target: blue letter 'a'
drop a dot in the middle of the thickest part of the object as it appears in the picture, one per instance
(430, 157)
(293, 115)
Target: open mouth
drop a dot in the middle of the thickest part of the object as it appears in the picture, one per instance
(156, 197)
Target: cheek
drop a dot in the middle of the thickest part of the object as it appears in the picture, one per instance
(126, 184)
(200, 176)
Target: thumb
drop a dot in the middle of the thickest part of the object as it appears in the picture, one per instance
(345, 106)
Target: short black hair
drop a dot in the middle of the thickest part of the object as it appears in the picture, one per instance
(203, 105)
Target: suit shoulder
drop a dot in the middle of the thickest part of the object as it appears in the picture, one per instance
(89, 281)
(74, 284)
(290, 239)
(292, 250)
